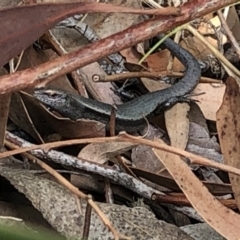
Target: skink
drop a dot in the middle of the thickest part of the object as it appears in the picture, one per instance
(130, 116)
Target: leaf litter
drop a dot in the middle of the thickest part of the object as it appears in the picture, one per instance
(166, 170)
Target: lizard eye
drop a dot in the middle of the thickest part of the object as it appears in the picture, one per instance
(52, 94)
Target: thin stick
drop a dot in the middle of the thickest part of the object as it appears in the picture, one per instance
(194, 159)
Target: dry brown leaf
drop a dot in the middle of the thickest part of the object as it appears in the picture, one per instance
(211, 100)
(4, 110)
(194, 46)
(177, 124)
(158, 64)
(200, 141)
(131, 55)
(102, 152)
(105, 24)
(99, 90)
(143, 157)
(152, 85)
(19, 114)
(233, 22)
(158, 61)
(73, 129)
(222, 219)
(168, 182)
(72, 40)
(206, 29)
(32, 58)
(228, 126)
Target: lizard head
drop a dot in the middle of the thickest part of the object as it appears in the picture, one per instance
(51, 97)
